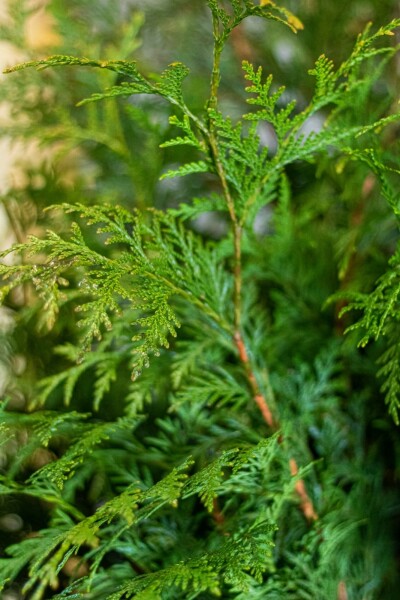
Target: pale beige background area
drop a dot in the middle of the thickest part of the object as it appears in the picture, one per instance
(39, 34)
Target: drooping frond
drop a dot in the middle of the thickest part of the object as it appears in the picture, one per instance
(136, 504)
(161, 260)
(168, 85)
(237, 563)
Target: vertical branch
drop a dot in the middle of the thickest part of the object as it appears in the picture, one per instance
(216, 72)
(306, 504)
(219, 39)
(258, 397)
(342, 591)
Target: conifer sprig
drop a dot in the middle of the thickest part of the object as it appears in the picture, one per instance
(379, 320)
(161, 260)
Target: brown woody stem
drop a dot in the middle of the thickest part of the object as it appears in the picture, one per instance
(306, 504)
(257, 395)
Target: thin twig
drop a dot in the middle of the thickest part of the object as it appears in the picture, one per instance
(306, 504)
(257, 395)
(217, 514)
(212, 140)
(342, 591)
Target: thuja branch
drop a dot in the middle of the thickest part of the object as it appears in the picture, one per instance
(236, 230)
(216, 73)
(212, 140)
(237, 223)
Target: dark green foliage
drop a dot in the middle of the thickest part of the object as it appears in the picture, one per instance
(191, 421)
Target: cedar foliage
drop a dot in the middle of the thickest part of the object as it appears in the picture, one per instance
(195, 423)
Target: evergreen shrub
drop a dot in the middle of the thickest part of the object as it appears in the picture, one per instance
(207, 315)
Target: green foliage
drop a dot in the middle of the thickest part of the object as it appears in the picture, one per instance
(379, 319)
(169, 84)
(189, 421)
(229, 18)
(160, 260)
